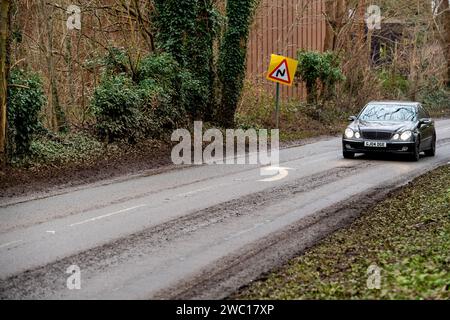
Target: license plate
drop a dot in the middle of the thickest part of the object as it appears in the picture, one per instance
(374, 144)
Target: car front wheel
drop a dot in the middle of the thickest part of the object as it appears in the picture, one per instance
(416, 153)
(432, 151)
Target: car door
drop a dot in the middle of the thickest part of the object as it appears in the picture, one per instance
(426, 130)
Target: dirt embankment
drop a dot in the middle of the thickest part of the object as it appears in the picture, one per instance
(15, 181)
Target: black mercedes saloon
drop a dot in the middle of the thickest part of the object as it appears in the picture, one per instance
(393, 127)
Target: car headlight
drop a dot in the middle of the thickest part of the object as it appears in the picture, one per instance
(396, 136)
(349, 133)
(357, 135)
(406, 135)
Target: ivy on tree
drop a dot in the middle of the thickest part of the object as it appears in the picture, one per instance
(233, 57)
(26, 99)
(187, 29)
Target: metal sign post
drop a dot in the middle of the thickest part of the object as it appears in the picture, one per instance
(277, 106)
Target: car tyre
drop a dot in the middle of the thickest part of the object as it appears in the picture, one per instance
(432, 151)
(416, 153)
(348, 155)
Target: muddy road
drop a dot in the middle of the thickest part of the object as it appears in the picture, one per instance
(194, 232)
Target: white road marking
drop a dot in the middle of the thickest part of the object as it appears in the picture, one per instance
(190, 193)
(51, 231)
(9, 243)
(282, 173)
(106, 215)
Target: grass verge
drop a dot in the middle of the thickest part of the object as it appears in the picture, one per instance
(407, 236)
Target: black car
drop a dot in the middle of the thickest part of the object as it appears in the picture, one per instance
(393, 127)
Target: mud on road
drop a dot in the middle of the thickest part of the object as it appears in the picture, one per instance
(228, 274)
(200, 232)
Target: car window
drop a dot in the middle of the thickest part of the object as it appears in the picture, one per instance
(423, 113)
(379, 112)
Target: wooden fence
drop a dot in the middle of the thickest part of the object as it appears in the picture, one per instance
(283, 27)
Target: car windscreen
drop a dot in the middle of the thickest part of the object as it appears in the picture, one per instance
(381, 112)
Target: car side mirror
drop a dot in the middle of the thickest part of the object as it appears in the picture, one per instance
(352, 118)
(425, 121)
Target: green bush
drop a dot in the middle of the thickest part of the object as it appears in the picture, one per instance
(116, 105)
(256, 107)
(318, 67)
(167, 89)
(148, 105)
(178, 89)
(25, 100)
(162, 68)
(156, 107)
(194, 94)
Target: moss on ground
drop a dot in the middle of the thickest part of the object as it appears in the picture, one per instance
(407, 236)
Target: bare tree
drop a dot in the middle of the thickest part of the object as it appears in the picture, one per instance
(47, 12)
(443, 15)
(335, 12)
(5, 22)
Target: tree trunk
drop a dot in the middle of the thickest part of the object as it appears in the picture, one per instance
(329, 30)
(444, 17)
(5, 24)
(58, 121)
(232, 59)
(335, 12)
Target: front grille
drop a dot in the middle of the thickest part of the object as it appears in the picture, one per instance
(376, 135)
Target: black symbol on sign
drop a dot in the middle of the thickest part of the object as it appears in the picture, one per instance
(279, 72)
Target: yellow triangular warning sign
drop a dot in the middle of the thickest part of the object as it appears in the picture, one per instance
(281, 72)
(282, 69)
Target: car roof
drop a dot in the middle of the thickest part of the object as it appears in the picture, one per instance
(403, 103)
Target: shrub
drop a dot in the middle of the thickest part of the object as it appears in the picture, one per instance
(162, 68)
(165, 88)
(116, 105)
(25, 100)
(56, 149)
(194, 94)
(146, 105)
(156, 106)
(179, 90)
(318, 68)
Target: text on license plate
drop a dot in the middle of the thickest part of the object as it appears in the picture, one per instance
(375, 144)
